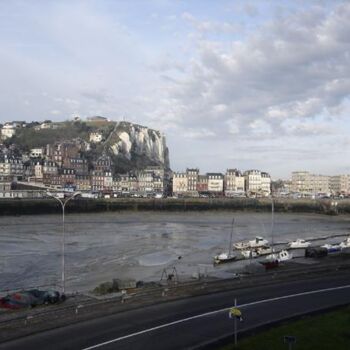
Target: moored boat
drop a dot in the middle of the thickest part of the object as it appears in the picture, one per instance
(299, 243)
(281, 256)
(223, 258)
(254, 243)
(249, 253)
(226, 256)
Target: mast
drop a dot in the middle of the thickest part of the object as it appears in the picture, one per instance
(230, 246)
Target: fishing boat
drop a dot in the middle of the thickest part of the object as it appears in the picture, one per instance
(226, 256)
(254, 243)
(299, 243)
(281, 256)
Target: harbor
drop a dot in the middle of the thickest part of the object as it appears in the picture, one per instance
(140, 245)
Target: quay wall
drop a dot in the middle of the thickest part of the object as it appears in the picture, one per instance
(51, 206)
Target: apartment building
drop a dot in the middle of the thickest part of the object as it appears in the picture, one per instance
(234, 182)
(180, 183)
(339, 184)
(257, 182)
(11, 167)
(215, 182)
(306, 183)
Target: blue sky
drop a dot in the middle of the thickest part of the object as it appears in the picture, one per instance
(246, 84)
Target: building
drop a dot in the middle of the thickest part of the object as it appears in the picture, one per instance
(83, 182)
(215, 183)
(80, 165)
(339, 184)
(52, 180)
(103, 163)
(61, 151)
(180, 183)
(7, 131)
(67, 177)
(50, 167)
(234, 182)
(265, 184)
(202, 183)
(95, 137)
(253, 182)
(38, 171)
(126, 183)
(310, 184)
(11, 167)
(36, 152)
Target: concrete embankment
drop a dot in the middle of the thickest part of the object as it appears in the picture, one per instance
(50, 206)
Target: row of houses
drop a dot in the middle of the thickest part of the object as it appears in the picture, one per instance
(232, 183)
(306, 183)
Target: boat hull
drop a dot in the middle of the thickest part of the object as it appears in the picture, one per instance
(218, 261)
(270, 264)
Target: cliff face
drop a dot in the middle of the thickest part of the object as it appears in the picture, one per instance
(139, 145)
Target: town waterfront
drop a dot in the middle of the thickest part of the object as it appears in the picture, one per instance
(138, 245)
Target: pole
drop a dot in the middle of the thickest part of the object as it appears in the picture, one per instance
(272, 222)
(63, 249)
(63, 205)
(235, 325)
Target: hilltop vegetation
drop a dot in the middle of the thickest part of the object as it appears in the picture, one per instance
(27, 138)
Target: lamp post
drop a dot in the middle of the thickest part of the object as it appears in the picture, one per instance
(63, 205)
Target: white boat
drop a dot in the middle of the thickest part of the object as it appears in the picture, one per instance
(299, 243)
(226, 256)
(264, 251)
(249, 253)
(332, 248)
(345, 243)
(254, 243)
(283, 255)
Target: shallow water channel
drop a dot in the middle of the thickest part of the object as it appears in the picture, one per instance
(138, 245)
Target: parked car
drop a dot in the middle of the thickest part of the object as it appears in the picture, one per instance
(30, 298)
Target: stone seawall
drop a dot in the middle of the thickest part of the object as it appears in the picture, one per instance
(50, 206)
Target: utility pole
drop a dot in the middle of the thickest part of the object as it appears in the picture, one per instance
(235, 325)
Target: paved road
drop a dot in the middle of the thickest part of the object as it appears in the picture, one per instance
(188, 323)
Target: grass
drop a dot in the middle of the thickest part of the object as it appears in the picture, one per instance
(322, 332)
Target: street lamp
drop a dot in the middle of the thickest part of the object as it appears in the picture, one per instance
(63, 205)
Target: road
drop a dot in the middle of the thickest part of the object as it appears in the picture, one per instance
(188, 323)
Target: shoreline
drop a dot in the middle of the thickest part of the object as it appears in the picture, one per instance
(16, 207)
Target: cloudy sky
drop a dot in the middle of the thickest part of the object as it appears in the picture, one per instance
(246, 84)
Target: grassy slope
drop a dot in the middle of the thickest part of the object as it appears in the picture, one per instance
(323, 332)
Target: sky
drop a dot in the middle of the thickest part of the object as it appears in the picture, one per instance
(232, 84)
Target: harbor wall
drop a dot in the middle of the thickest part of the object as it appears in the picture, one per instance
(51, 206)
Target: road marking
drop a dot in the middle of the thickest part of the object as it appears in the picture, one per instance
(212, 313)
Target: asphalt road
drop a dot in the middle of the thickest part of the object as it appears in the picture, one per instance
(188, 323)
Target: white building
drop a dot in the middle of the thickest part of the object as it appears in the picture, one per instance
(180, 183)
(36, 152)
(95, 137)
(234, 182)
(215, 182)
(253, 181)
(339, 184)
(310, 184)
(38, 171)
(265, 184)
(8, 130)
